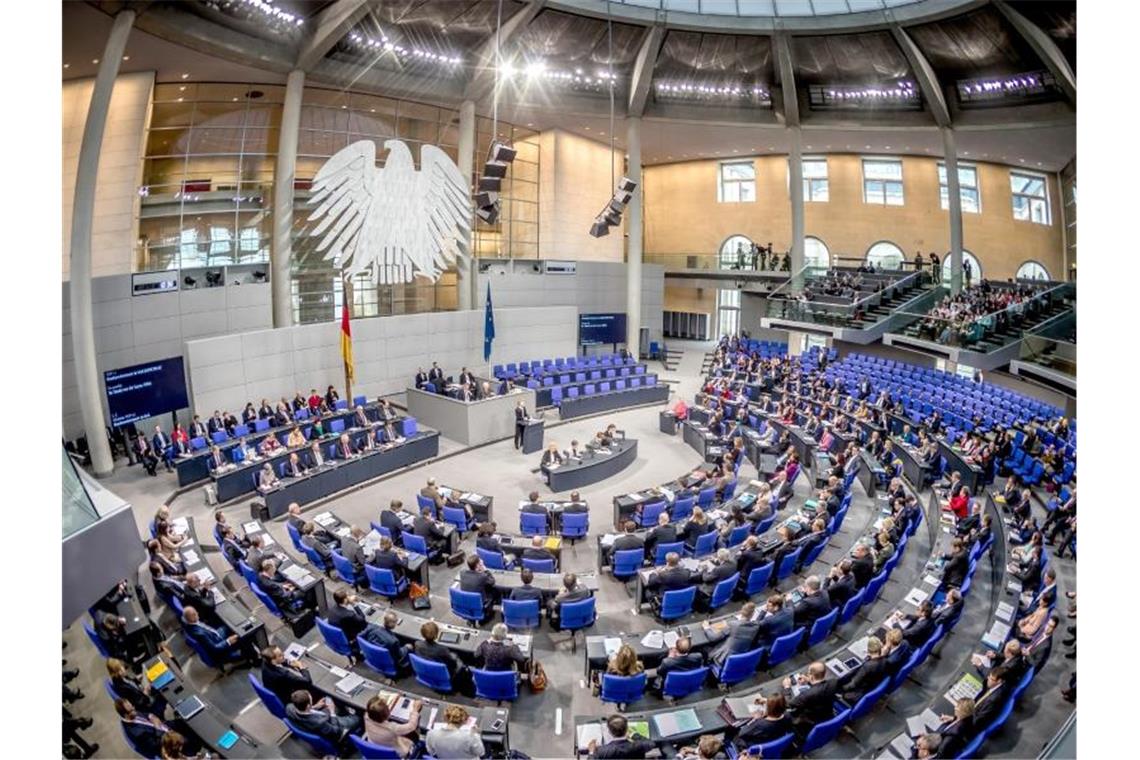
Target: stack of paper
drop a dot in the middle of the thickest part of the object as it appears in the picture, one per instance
(325, 519)
(968, 685)
(926, 722)
(655, 639)
(859, 648)
(1005, 612)
(612, 644)
(917, 596)
(902, 745)
(204, 574)
(679, 722)
(588, 732)
(190, 557)
(251, 527)
(671, 638)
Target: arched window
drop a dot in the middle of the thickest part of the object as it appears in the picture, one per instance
(734, 251)
(975, 268)
(1031, 270)
(816, 253)
(885, 255)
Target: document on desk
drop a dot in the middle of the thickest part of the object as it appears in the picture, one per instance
(931, 580)
(612, 644)
(996, 636)
(689, 563)
(297, 574)
(325, 519)
(1004, 612)
(916, 596)
(671, 638)
(590, 732)
(295, 651)
(180, 525)
(608, 539)
(350, 684)
(655, 639)
(470, 496)
(267, 540)
(634, 496)
(190, 557)
(969, 685)
(679, 722)
(926, 722)
(204, 575)
(251, 527)
(902, 745)
(859, 648)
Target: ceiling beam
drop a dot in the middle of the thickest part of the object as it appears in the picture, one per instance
(643, 69)
(1045, 49)
(482, 79)
(332, 24)
(786, 71)
(927, 80)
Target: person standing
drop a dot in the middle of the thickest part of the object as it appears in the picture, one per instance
(520, 423)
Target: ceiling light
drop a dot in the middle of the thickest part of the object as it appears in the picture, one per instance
(180, 100)
(887, 147)
(530, 123)
(95, 60)
(182, 88)
(126, 58)
(371, 110)
(185, 76)
(965, 153)
(273, 11)
(866, 147)
(235, 100)
(535, 68)
(67, 65)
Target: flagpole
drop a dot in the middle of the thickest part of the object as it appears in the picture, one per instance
(348, 307)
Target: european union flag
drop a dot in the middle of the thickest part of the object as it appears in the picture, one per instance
(488, 327)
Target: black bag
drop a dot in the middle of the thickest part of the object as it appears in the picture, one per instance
(258, 511)
(455, 560)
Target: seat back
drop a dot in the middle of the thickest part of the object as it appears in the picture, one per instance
(268, 698)
(776, 748)
(706, 496)
(456, 516)
(382, 581)
(706, 544)
(650, 513)
(521, 613)
(467, 605)
(491, 560)
(785, 646)
(682, 683)
(788, 564)
(740, 666)
(344, 568)
(738, 534)
(265, 599)
(577, 615)
(575, 524)
(424, 502)
(539, 565)
(532, 524)
(677, 603)
(370, 751)
(864, 705)
(320, 745)
(98, 642)
(431, 674)
(499, 685)
(295, 537)
(622, 689)
(378, 658)
(823, 733)
(335, 637)
(851, 607)
(722, 592)
(683, 507)
(627, 562)
(663, 549)
(821, 628)
(413, 543)
(758, 578)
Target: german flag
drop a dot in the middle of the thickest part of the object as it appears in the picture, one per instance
(346, 341)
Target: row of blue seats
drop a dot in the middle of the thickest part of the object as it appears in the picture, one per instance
(539, 366)
(589, 389)
(261, 425)
(572, 376)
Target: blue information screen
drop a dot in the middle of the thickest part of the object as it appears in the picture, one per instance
(145, 390)
(599, 329)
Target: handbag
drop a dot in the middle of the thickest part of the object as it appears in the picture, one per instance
(420, 596)
(538, 679)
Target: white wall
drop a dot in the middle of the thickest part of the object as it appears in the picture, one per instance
(574, 185)
(595, 286)
(120, 169)
(225, 372)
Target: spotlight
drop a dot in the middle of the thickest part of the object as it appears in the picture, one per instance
(489, 214)
(189, 281)
(493, 184)
(626, 185)
(213, 279)
(502, 152)
(599, 228)
(496, 169)
(486, 198)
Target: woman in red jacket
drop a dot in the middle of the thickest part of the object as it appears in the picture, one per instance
(960, 503)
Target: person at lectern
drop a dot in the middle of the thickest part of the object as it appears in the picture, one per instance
(552, 455)
(520, 423)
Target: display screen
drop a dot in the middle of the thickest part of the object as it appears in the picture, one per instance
(145, 390)
(597, 329)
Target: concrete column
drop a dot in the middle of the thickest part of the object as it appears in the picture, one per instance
(796, 192)
(82, 218)
(633, 229)
(950, 155)
(466, 271)
(284, 172)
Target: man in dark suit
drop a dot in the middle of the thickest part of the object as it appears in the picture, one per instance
(351, 548)
(390, 519)
(671, 577)
(435, 376)
(198, 595)
(421, 378)
(345, 448)
(1038, 649)
(814, 604)
(215, 459)
(497, 653)
(197, 429)
(384, 636)
(223, 646)
(921, 626)
(950, 608)
(776, 620)
(956, 566)
(309, 539)
(162, 446)
(721, 568)
(663, 533)
(216, 424)
(537, 551)
(626, 541)
(526, 592)
(958, 729)
(478, 580)
(320, 718)
(387, 558)
(428, 529)
(840, 583)
(466, 377)
(817, 536)
(531, 506)
(816, 703)
(344, 615)
(295, 468)
(520, 423)
(862, 565)
(145, 731)
(857, 682)
(570, 592)
(740, 637)
(990, 701)
(621, 745)
(281, 676)
(751, 557)
(680, 658)
(431, 649)
(278, 588)
(166, 586)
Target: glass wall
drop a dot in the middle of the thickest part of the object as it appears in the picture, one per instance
(78, 511)
(206, 193)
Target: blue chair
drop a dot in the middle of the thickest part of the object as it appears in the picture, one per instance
(295, 537)
(240, 431)
(706, 496)
(219, 436)
(322, 746)
(539, 565)
(722, 591)
(823, 733)
(468, 605)
(788, 564)
(575, 525)
(574, 616)
(492, 560)
(248, 573)
(813, 555)
(131, 743)
(681, 683)
(457, 516)
(345, 569)
(821, 628)
(341, 404)
(382, 581)
(868, 700)
(706, 544)
(677, 603)
(556, 396)
(1000, 720)
(335, 638)
(774, 749)
(622, 689)
(433, 675)
(521, 614)
(904, 672)
(683, 507)
(316, 560)
(740, 666)
(677, 547)
(378, 658)
(627, 562)
(532, 524)
(970, 750)
(423, 502)
(260, 426)
(197, 444)
(415, 544)
(785, 646)
(758, 578)
(499, 685)
(871, 592)
(851, 607)
(98, 642)
(738, 534)
(371, 751)
(268, 698)
(650, 513)
(206, 656)
(266, 600)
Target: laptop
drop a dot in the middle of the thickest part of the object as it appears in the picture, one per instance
(189, 707)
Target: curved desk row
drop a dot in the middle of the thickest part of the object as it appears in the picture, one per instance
(605, 402)
(594, 466)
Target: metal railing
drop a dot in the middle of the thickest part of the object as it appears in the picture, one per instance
(785, 301)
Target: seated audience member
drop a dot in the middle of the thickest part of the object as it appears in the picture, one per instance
(278, 588)
(526, 592)
(814, 604)
(344, 615)
(390, 734)
(387, 558)
(857, 682)
(776, 620)
(570, 592)
(671, 577)
(621, 745)
(390, 519)
(320, 718)
(840, 583)
(310, 539)
(384, 636)
(813, 705)
(681, 657)
(283, 676)
(958, 729)
(773, 724)
(223, 646)
(537, 551)
(267, 479)
(739, 637)
(533, 507)
(452, 739)
(134, 689)
(430, 531)
(430, 649)
(145, 731)
(498, 653)
(896, 650)
(708, 748)
(479, 580)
